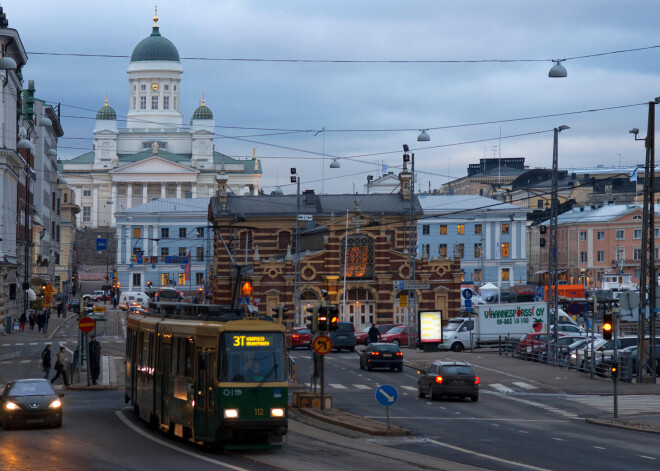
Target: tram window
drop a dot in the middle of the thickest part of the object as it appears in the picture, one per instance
(182, 357)
(144, 357)
(151, 347)
(252, 357)
(129, 341)
(139, 350)
(190, 358)
(174, 363)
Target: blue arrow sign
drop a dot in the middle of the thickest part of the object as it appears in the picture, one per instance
(387, 395)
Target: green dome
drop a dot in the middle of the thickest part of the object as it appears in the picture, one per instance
(155, 48)
(106, 112)
(202, 112)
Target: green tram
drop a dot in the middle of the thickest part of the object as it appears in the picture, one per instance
(217, 380)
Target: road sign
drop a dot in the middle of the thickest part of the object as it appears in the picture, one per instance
(101, 244)
(99, 309)
(305, 217)
(49, 289)
(403, 300)
(48, 301)
(574, 308)
(467, 294)
(243, 300)
(322, 344)
(400, 284)
(468, 303)
(86, 324)
(387, 395)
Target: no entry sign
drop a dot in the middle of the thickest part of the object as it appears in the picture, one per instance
(86, 324)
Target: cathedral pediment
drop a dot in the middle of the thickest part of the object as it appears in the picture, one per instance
(154, 165)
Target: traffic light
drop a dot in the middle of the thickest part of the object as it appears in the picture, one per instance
(608, 325)
(312, 321)
(148, 284)
(542, 242)
(333, 318)
(323, 319)
(614, 371)
(281, 312)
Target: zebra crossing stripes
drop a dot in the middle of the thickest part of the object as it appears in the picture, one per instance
(628, 405)
(523, 385)
(362, 386)
(337, 386)
(501, 388)
(409, 388)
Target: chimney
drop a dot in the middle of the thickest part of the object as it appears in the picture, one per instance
(309, 196)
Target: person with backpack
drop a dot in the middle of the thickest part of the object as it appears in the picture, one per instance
(32, 318)
(46, 361)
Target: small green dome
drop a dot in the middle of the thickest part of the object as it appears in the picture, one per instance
(106, 112)
(155, 48)
(202, 112)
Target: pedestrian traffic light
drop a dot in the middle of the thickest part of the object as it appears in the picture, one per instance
(149, 284)
(333, 317)
(614, 371)
(542, 242)
(608, 326)
(323, 319)
(312, 321)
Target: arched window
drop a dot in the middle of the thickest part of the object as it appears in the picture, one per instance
(357, 257)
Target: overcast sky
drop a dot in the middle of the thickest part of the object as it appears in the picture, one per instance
(394, 100)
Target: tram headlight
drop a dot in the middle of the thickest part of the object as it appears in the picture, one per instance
(277, 412)
(231, 413)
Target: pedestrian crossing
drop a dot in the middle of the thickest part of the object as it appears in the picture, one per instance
(363, 387)
(515, 387)
(628, 405)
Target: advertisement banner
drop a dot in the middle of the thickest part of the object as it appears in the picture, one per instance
(430, 324)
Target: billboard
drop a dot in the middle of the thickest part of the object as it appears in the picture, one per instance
(430, 326)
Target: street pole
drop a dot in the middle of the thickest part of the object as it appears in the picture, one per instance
(412, 305)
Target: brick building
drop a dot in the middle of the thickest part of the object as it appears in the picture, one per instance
(367, 234)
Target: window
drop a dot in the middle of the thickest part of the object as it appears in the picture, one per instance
(182, 232)
(200, 232)
(357, 257)
(66, 197)
(657, 233)
(199, 278)
(505, 228)
(460, 229)
(539, 204)
(174, 100)
(637, 234)
(459, 250)
(182, 279)
(442, 250)
(620, 253)
(477, 250)
(601, 256)
(164, 233)
(175, 88)
(154, 102)
(505, 274)
(166, 102)
(143, 88)
(426, 229)
(443, 229)
(583, 235)
(620, 234)
(477, 228)
(164, 251)
(137, 279)
(87, 214)
(583, 257)
(182, 252)
(164, 279)
(637, 253)
(600, 235)
(137, 232)
(505, 250)
(167, 87)
(53, 200)
(477, 274)
(425, 250)
(199, 256)
(143, 102)
(87, 193)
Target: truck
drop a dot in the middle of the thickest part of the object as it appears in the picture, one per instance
(493, 321)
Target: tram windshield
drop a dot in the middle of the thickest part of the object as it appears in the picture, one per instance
(252, 357)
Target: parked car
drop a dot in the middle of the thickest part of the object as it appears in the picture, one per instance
(502, 297)
(93, 294)
(563, 344)
(362, 338)
(577, 358)
(30, 402)
(381, 355)
(606, 350)
(74, 305)
(344, 336)
(299, 337)
(603, 365)
(456, 379)
(399, 335)
(103, 297)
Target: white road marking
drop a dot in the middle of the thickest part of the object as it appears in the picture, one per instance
(337, 386)
(545, 407)
(558, 439)
(19, 343)
(410, 388)
(34, 343)
(524, 385)
(362, 386)
(27, 361)
(647, 457)
(599, 447)
(5, 344)
(174, 447)
(501, 388)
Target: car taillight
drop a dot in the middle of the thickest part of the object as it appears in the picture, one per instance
(295, 336)
(399, 354)
(476, 380)
(438, 379)
(374, 354)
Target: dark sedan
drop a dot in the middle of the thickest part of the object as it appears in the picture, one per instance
(456, 379)
(30, 402)
(381, 355)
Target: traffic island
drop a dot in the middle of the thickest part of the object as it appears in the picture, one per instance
(306, 399)
(618, 423)
(354, 422)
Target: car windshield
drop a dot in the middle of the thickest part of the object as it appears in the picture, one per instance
(31, 388)
(388, 348)
(396, 330)
(366, 329)
(252, 357)
(457, 370)
(453, 326)
(579, 343)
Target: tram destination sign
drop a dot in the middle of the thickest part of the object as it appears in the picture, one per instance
(400, 284)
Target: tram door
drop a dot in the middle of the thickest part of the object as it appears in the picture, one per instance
(204, 375)
(162, 390)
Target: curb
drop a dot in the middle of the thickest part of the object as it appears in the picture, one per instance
(623, 425)
(112, 380)
(354, 422)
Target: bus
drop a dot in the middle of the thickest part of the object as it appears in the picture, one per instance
(168, 294)
(216, 379)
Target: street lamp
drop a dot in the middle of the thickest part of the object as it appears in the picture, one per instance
(558, 70)
(552, 254)
(107, 246)
(295, 178)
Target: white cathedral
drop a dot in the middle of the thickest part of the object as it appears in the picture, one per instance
(155, 155)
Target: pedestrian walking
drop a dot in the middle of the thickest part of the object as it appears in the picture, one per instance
(60, 367)
(41, 320)
(59, 309)
(32, 319)
(22, 321)
(45, 361)
(94, 359)
(374, 334)
(46, 319)
(114, 302)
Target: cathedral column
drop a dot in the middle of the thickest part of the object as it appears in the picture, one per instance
(129, 195)
(163, 192)
(78, 199)
(95, 206)
(194, 190)
(144, 192)
(113, 221)
(178, 189)
(129, 251)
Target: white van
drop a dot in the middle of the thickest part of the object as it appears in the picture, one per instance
(127, 298)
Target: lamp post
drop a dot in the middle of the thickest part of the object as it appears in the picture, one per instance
(107, 247)
(295, 178)
(552, 253)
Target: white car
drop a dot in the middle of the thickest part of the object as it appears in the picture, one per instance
(98, 292)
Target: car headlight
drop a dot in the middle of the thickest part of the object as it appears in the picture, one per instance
(11, 406)
(55, 404)
(231, 413)
(277, 412)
